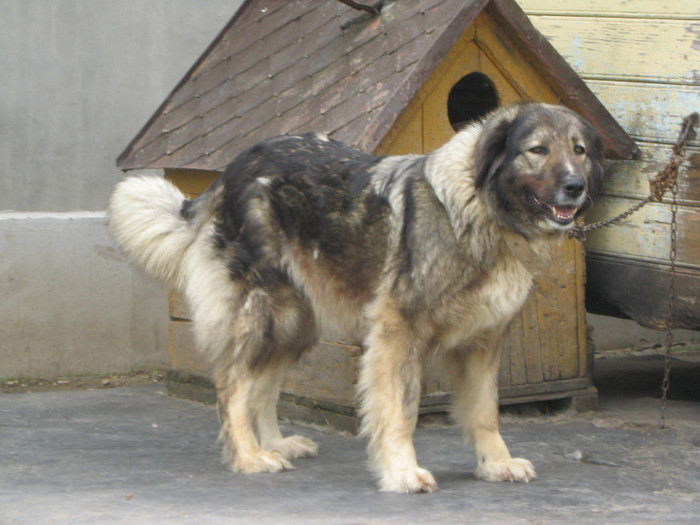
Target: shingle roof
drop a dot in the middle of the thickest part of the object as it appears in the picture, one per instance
(282, 66)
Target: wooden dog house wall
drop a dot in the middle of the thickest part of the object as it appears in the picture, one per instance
(544, 351)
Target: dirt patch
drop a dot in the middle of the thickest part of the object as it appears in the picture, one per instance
(21, 385)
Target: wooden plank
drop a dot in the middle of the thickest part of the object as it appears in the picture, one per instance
(640, 290)
(526, 83)
(585, 354)
(549, 326)
(512, 393)
(645, 235)
(515, 358)
(531, 343)
(686, 9)
(632, 49)
(625, 178)
(327, 372)
(559, 315)
(191, 182)
(631, 178)
(436, 125)
(178, 307)
(183, 355)
(648, 111)
(406, 136)
(507, 346)
(568, 315)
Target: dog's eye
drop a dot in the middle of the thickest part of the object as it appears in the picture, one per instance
(538, 150)
(579, 150)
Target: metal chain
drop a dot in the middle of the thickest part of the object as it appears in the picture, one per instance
(666, 383)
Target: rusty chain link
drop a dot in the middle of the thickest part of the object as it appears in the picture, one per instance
(666, 383)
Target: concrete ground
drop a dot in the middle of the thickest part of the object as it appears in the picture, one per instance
(134, 455)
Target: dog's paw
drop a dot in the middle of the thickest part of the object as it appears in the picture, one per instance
(514, 469)
(264, 461)
(297, 447)
(413, 481)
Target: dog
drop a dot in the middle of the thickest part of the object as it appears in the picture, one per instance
(408, 255)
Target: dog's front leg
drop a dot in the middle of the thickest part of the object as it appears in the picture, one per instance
(390, 394)
(476, 409)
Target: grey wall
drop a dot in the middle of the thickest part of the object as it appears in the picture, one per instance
(79, 79)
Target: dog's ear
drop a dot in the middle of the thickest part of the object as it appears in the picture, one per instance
(490, 148)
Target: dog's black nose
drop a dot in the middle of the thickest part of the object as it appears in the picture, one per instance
(573, 186)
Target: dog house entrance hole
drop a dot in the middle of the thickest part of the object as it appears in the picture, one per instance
(470, 99)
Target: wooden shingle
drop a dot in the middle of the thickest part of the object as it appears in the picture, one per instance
(284, 66)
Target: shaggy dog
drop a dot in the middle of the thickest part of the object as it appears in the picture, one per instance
(408, 255)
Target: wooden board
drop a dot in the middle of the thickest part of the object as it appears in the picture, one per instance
(646, 234)
(191, 182)
(647, 111)
(603, 48)
(631, 178)
(639, 290)
(615, 8)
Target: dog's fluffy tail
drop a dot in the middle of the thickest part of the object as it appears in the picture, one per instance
(146, 222)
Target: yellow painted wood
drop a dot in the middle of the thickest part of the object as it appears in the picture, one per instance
(326, 373)
(688, 9)
(405, 129)
(531, 343)
(182, 352)
(191, 182)
(527, 83)
(580, 291)
(515, 358)
(436, 125)
(178, 306)
(407, 134)
(632, 49)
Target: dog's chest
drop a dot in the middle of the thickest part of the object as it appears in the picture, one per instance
(506, 290)
(490, 306)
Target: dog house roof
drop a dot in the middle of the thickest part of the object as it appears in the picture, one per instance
(289, 66)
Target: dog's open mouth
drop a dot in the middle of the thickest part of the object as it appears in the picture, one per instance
(560, 214)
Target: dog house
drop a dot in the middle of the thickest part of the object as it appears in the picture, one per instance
(397, 82)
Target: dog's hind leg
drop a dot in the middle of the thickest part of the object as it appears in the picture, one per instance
(264, 408)
(476, 409)
(267, 331)
(242, 451)
(390, 393)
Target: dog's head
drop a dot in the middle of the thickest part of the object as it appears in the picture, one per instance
(541, 166)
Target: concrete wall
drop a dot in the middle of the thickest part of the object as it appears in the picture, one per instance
(79, 79)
